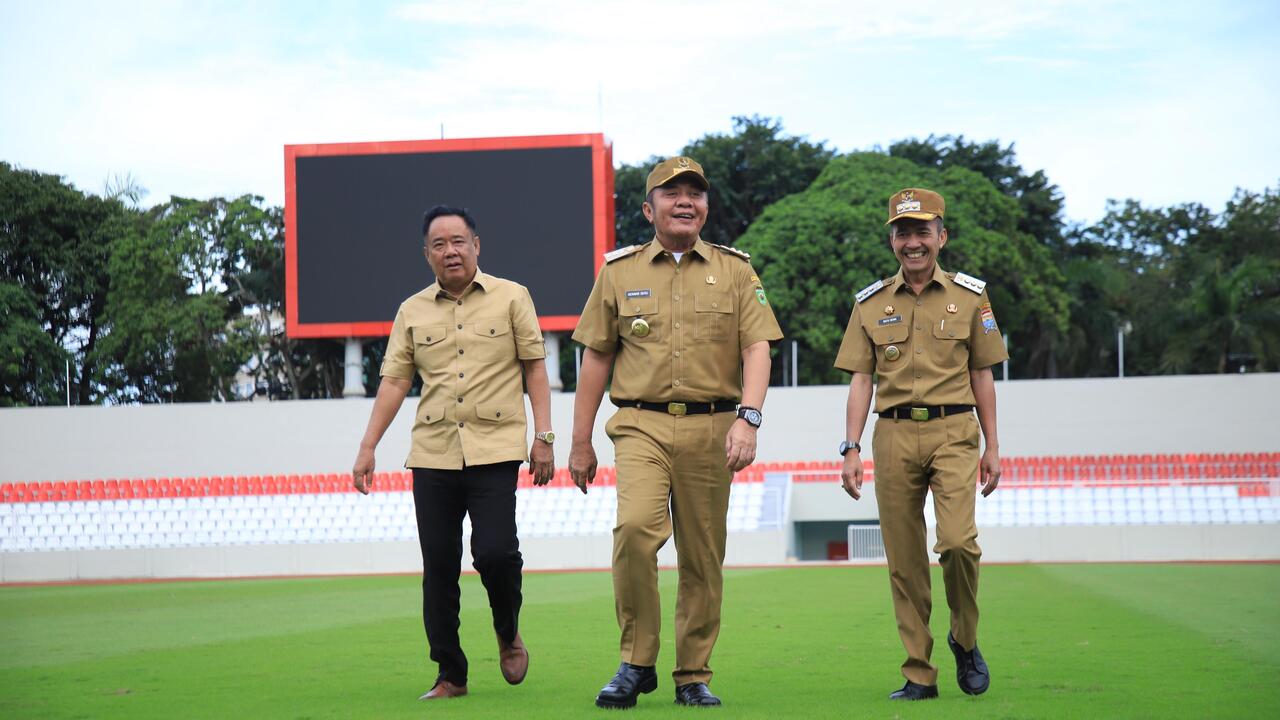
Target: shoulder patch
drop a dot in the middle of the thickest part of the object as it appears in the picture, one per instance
(731, 251)
(869, 290)
(622, 252)
(969, 282)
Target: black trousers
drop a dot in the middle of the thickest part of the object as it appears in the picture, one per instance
(441, 498)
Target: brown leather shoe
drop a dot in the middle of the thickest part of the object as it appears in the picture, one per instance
(445, 689)
(514, 660)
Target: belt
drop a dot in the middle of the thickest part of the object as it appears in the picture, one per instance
(926, 412)
(680, 408)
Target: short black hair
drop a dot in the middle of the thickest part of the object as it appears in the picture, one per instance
(937, 223)
(444, 210)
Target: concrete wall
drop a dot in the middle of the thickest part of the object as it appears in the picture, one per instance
(1210, 413)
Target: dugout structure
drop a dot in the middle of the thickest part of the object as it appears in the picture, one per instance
(543, 205)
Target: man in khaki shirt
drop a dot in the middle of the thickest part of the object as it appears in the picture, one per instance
(685, 326)
(931, 338)
(472, 338)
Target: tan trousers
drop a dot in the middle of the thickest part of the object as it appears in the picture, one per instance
(671, 474)
(912, 458)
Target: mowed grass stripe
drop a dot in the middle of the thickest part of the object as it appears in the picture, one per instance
(1064, 641)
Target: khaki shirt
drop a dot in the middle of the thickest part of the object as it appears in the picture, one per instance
(468, 352)
(700, 315)
(935, 348)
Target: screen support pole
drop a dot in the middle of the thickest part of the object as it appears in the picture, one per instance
(552, 341)
(353, 381)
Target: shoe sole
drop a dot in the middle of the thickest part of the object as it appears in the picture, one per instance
(644, 689)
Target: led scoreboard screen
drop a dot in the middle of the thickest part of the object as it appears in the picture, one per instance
(353, 223)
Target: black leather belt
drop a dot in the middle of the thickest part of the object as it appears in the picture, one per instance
(680, 408)
(924, 412)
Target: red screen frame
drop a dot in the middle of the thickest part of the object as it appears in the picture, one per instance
(602, 213)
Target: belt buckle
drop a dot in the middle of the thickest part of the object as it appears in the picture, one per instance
(919, 414)
(677, 409)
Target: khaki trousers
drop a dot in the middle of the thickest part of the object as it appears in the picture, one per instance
(671, 475)
(912, 458)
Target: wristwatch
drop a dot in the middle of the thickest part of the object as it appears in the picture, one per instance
(846, 446)
(751, 415)
(547, 437)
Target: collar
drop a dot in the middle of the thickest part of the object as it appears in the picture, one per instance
(481, 280)
(655, 250)
(939, 278)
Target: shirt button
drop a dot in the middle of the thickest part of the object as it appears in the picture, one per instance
(917, 376)
(919, 350)
(677, 270)
(917, 303)
(715, 305)
(677, 353)
(919, 328)
(460, 424)
(951, 334)
(460, 399)
(676, 298)
(676, 381)
(677, 326)
(459, 374)
(635, 309)
(460, 302)
(459, 351)
(460, 327)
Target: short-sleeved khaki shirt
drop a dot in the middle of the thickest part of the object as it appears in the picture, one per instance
(678, 329)
(922, 347)
(468, 352)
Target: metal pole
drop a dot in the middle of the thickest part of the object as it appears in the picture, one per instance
(68, 382)
(1120, 354)
(795, 364)
(1005, 364)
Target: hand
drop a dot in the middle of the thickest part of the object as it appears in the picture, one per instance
(740, 445)
(851, 474)
(362, 471)
(542, 462)
(989, 470)
(582, 464)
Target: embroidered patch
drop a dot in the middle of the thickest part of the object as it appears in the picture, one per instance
(760, 296)
(890, 320)
(988, 318)
(638, 293)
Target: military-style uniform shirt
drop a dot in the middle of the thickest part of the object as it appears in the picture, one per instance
(922, 347)
(678, 329)
(468, 352)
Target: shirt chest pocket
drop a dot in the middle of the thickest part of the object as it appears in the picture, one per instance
(493, 339)
(949, 346)
(714, 311)
(891, 344)
(428, 344)
(638, 319)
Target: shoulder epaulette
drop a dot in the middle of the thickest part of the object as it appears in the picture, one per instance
(872, 289)
(969, 282)
(731, 251)
(622, 252)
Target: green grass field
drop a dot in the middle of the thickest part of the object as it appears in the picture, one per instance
(1089, 641)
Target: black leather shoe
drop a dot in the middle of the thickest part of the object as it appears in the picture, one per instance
(912, 691)
(695, 694)
(626, 686)
(972, 673)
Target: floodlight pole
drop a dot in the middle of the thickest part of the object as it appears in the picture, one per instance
(353, 380)
(552, 341)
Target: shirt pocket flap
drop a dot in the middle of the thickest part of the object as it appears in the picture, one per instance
(433, 414)
(493, 327)
(428, 334)
(713, 302)
(956, 331)
(631, 307)
(494, 413)
(886, 335)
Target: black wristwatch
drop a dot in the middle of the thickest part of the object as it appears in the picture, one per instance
(846, 446)
(751, 415)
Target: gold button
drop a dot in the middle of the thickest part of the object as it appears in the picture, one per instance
(715, 305)
(676, 381)
(677, 353)
(677, 326)
(892, 352)
(677, 298)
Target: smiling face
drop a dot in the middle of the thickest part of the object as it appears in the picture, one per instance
(678, 210)
(453, 251)
(916, 244)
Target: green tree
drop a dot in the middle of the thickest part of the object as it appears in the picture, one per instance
(815, 249)
(749, 169)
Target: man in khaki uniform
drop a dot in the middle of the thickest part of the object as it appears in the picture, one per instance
(931, 338)
(472, 338)
(685, 325)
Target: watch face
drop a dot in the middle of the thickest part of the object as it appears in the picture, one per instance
(547, 437)
(752, 416)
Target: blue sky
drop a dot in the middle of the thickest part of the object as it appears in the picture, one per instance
(1164, 102)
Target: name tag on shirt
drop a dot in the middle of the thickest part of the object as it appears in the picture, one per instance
(890, 320)
(638, 293)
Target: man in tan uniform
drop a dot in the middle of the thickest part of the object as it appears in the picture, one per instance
(472, 338)
(685, 325)
(931, 338)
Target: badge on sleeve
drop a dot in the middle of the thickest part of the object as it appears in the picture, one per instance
(760, 296)
(988, 318)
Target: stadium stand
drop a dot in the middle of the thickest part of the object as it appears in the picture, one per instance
(1189, 489)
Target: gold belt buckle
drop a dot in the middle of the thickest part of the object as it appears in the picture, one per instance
(919, 414)
(677, 408)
